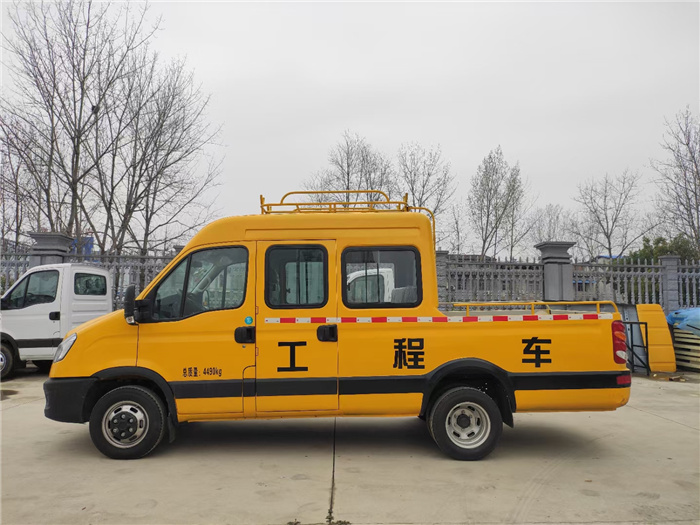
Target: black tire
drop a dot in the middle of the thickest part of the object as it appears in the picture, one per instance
(465, 423)
(44, 365)
(7, 361)
(140, 422)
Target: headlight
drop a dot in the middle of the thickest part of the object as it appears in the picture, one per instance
(63, 348)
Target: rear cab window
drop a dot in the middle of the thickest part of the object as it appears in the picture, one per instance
(296, 276)
(89, 284)
(381, 277)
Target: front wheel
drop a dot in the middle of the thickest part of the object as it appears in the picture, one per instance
(465, 423)
(7, 361)
(127, 422)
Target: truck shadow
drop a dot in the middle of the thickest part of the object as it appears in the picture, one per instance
(385, 436)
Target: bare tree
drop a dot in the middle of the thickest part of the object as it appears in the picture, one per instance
(608, 219)
(354, 165)
(549, 223)
(425, 177)
(457, 232)
(679, 175)
(517, 222)
(112, 140)
(494, 189)
(68, 57)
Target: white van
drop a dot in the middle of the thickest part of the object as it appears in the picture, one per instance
(45, 303)
(371, 285)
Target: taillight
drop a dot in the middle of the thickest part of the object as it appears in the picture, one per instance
(619, 336)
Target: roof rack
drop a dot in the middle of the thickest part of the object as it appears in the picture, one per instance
(332, 202)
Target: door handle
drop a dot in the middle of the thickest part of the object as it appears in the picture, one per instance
(55, 316)
(244, 334)
(328, 332)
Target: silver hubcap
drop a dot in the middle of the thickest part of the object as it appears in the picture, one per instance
(2, 361)
(125, 424)
(468, 425)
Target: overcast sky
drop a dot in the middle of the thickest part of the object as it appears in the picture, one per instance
(570, 90)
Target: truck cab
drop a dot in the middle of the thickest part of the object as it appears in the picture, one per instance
(43, 305)
(322, 309)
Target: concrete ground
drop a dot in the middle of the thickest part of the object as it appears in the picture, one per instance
(640, 464)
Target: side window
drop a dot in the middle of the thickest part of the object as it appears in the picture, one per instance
(16, 298)
(381, 277)
(296, 277)
(89, 284)
(41, 288)
(215, 279)
(168, 301)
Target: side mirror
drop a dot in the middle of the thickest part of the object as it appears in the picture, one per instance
(142, 311)
(129, 304)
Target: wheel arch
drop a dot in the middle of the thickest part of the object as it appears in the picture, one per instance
(111, 378)
(477, 373)
(7, 338)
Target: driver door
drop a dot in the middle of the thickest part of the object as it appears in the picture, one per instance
(196, 309)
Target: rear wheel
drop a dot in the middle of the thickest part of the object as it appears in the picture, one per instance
(465, 423)
(7, 361)
(127, 422)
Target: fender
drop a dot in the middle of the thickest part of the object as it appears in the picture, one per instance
(466, 367)
(136, 372)
(7, 337)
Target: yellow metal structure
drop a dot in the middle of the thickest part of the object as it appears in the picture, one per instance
(346, 346)
(660, 345)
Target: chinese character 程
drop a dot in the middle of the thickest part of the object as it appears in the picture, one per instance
(409, 355)
(532, 347)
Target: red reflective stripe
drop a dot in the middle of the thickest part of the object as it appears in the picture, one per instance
(439, 319)
(624, 380)
(288, 319)
(321, 320)
(560, 317)
(531, 318)
(379, 319)
(409, 319)
(348, 319)
(590, 316)
(500, 317)
(470, 319)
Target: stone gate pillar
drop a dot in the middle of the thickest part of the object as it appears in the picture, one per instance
(558, 270)
(671, 297)
(49, 248)
(442, 278)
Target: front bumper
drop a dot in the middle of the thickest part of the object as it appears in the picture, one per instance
(65, 398)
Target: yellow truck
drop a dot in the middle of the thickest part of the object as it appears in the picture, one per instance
(266, 316)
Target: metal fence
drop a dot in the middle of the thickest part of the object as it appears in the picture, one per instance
(622, 281)
(126, 270)
(689, 284)
(12, 265)
(464, 279)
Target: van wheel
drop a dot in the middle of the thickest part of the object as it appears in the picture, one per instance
(465, 423)
(127, 422)
(7, 361)
(44, 365)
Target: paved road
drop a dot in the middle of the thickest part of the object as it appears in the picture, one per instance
(640, 464)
